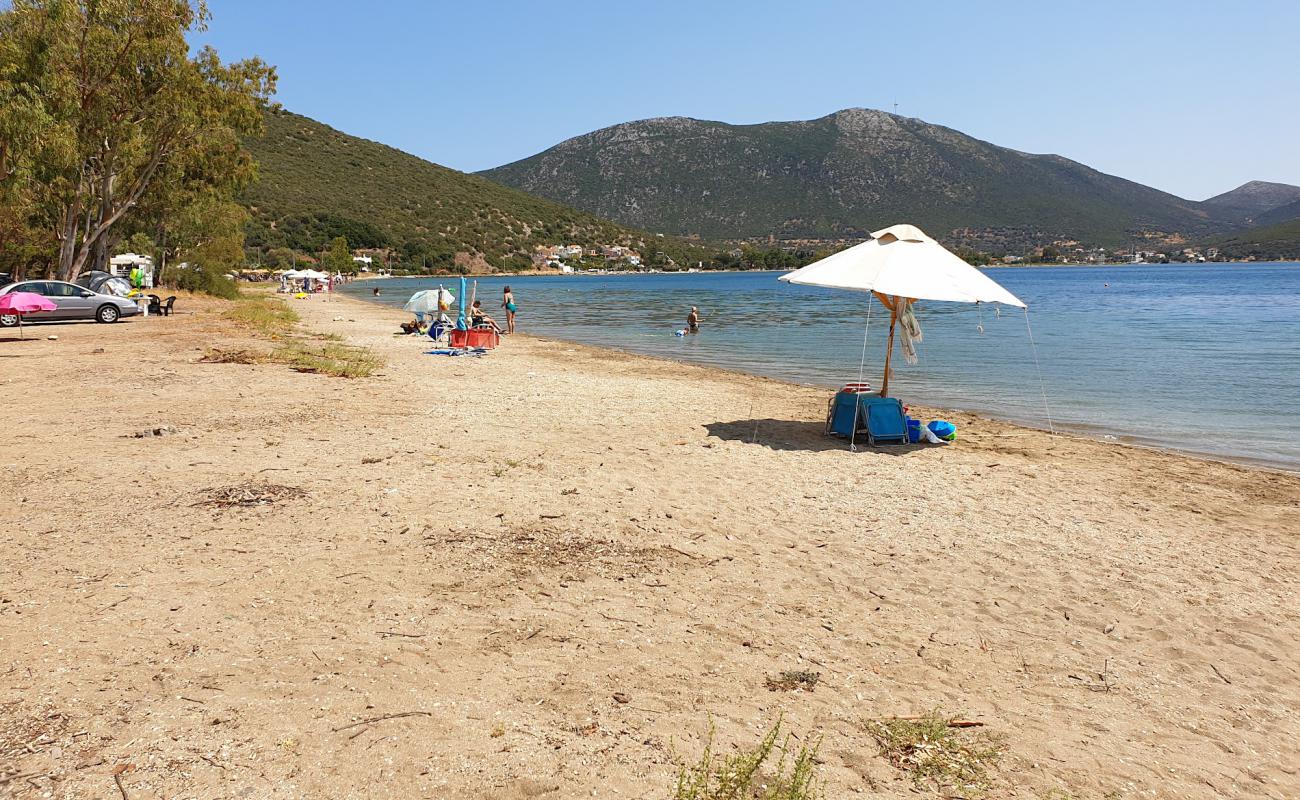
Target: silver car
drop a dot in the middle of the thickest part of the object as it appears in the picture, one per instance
(74, 302)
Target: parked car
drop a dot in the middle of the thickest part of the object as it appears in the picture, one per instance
(74, 302)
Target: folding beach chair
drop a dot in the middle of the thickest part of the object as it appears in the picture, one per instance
(884, 420)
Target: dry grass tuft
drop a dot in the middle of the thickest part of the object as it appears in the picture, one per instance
(266, 316)
(215, 355)
(953, 761)
(336, 360)
(748, 775)
(792, 679)
(249, 494)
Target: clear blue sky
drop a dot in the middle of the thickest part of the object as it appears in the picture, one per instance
(1190, 97)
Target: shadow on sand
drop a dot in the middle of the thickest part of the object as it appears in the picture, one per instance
(808, 437)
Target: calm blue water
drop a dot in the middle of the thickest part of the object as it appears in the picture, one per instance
(1200, 358)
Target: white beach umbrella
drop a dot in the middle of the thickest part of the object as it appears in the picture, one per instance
(314, 275)
(293, 274)
(901, 265)
(901, 261)
(422, 302)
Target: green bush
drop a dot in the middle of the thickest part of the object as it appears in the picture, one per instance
(197, 279)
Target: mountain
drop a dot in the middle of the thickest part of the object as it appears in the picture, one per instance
(1280, 214)
(315, 182)
(840, 177)
(1249, 201)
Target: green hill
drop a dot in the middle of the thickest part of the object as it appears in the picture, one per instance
(840, 177)
(316, 183)
(1280, 242)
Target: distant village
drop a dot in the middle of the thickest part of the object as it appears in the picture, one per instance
(1073, 253)
(564, 257)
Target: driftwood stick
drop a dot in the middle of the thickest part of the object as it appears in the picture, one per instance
(952, 723)
(381, 719)
(117, 778)
(1222, 677)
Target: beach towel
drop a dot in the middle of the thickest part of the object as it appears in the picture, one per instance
(909, 331)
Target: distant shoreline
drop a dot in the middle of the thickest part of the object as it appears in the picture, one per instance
(555, 273)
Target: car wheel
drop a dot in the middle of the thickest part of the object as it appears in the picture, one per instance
(107, 314)
(8, 320)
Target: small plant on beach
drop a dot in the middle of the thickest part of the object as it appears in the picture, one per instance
(954, 761)
(791, 679)
(749, 775)
(266, 316)
(335, 360)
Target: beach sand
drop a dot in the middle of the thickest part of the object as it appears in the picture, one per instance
(495, 547)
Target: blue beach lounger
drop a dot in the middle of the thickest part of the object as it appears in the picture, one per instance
(885, 421)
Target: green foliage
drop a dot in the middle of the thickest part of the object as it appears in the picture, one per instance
(111, 121)
(1272, 242)
(953, 761)
(838, 178)
(339, 257)
(741, 776)
(198, 279)
(140, 244)
(316, 183)
(280, 258)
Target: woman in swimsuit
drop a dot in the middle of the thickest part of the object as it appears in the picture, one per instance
(480, 319)
(508, 303)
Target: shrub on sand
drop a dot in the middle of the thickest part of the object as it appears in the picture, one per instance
(748, 775)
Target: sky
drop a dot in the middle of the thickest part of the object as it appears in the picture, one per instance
(1194, 98)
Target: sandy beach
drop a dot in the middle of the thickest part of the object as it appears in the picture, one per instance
(544, 572)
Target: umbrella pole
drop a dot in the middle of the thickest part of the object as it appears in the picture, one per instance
(884, 383)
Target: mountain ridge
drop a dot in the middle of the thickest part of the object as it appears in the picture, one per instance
(840, 176)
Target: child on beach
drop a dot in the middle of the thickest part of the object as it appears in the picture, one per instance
(508, 303)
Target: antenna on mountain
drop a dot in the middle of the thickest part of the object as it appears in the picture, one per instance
(895, 108)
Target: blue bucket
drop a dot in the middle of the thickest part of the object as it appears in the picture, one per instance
(913, 430)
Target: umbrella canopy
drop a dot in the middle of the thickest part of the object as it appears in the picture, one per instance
(21, 303)
(422, 302)
(429, 300)
(901, 261)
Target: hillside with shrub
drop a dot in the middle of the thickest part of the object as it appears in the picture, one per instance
(316, 183)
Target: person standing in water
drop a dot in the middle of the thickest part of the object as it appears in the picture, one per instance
(508, 303)
(693, 321)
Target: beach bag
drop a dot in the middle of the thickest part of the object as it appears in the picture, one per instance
(943, 429)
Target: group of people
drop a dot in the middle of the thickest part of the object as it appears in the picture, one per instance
(478, 318)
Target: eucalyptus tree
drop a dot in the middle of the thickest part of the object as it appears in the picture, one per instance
(117, 118)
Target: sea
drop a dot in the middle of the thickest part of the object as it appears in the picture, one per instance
(1198, 358)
